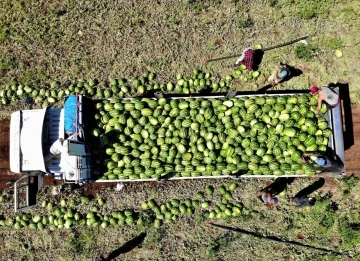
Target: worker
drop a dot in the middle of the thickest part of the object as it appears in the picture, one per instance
(303, 201)
(279, 74)
(326, 164)
(327, 95)
(268, 195)
(247, 58)
(269, 199)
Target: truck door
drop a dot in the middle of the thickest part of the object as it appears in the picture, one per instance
(26, 189)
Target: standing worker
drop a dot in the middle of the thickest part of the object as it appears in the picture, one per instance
(326, 164)
(327, 95)
(279, 74)
(247, 58)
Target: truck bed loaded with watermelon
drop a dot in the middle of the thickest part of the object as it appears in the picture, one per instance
(144, 139)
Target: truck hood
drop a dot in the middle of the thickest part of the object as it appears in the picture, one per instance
(26, 152)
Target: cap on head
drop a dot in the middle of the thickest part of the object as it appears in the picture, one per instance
(321, 161)
(283, 73)
(314, 89)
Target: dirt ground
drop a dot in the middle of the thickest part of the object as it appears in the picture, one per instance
(352, 155)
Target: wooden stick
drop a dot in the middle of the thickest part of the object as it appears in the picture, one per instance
(266, 49)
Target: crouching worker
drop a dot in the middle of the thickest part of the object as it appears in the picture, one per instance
(281, 73)
(326, 165)
(268, 195)
(247, 58)
(268, 199)
(330, 96)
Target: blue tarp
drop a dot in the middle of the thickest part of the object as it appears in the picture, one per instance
(70, 114)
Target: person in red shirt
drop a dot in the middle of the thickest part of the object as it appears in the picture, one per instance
(247, 58)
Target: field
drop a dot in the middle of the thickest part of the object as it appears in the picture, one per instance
(70, 41)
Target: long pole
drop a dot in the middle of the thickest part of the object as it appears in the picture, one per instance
(273, 239)
(266, 49)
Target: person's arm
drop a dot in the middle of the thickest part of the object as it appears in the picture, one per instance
(321, 98)
(312, 154)
(241, 58)
(312, 166)
(303, 160)
(238, 61)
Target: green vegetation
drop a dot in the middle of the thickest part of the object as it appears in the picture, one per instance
(334, 43)
(306, 11)
(245, 22)
(304, 52)
(350, 235)
(350, 182)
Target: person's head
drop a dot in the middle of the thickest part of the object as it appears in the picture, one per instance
(312, 201)
(320, 161)
(314, 90)
(283, 73)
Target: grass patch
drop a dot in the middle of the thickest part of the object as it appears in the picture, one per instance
(5, 65)
(306, 11)
(348, 184)
(310, 9)
(245, 22)
(304, 52)
(81, 243)
(350, 235)
(334, 43)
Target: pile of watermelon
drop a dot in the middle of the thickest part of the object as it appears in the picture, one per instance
(49, 95)
(253, 135)
(70, 212)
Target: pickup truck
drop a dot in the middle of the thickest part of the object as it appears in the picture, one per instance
(54, 141)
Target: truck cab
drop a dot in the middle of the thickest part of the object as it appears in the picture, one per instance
(49, 141)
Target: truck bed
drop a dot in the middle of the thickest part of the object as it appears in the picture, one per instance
(334, 118)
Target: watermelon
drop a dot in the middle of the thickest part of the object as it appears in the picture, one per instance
(291, 132)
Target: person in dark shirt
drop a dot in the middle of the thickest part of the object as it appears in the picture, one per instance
(326, 164)
(247, 58)
(303, 201)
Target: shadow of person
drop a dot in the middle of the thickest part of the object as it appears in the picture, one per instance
(257, 59)
(264, 89)
(167, 176)
(331, 153)
(311, 188)
(127, 247)
(278, 186)
(294, 72)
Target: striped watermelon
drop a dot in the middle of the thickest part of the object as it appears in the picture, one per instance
(129, 106)
(291, 132)
(311, 140)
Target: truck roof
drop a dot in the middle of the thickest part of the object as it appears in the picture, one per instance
(26, 152)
